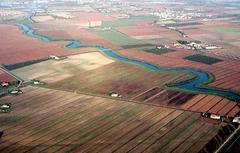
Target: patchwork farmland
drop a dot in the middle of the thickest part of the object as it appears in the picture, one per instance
(117, 77)
(226, 72)
(125, 83)
(59, 121)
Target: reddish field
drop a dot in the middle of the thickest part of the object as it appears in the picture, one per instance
(76, 34)
(212, 104)
(5, 77)
(22, 51)
(227, 75)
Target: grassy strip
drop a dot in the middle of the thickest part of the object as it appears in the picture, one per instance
(23, 64)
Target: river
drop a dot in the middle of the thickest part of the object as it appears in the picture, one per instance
(195, 85)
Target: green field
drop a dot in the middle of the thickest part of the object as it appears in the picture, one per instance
(117, 38)
(127, 21)
(153, 49)
(235, 31)
(203, 59)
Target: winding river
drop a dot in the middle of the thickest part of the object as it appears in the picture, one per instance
(196, 85)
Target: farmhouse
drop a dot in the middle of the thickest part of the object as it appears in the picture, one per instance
(114, 94)
(54, 57)
(15, 92)
(4, 84)
(6, 108)
(211, 47)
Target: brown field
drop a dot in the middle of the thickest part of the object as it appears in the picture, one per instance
(127, 81)
(21, 51)
(56, 121)
(122, 78)
(187, 101)
(52, 70)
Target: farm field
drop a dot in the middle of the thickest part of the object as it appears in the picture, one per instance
(117, 38)
(52, 71)
(59, 121)
(22, 52)
(5, 77)
(95, 74)
(42, 18)
(203, 59)
(125, 79)
(74, 19)
(187, 101)
(146, 29)
(11, 14)
(131, 21)
(119, 76)
(142, 30)
(227, 75)
(82, 34)
(227, 30)
(223, 71)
